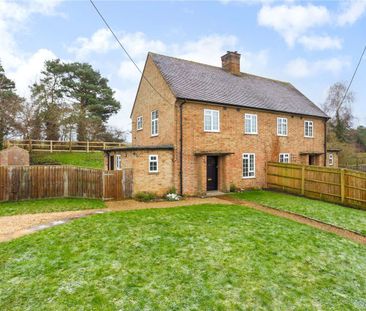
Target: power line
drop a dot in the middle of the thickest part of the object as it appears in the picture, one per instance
(353, 76)
(126, 52)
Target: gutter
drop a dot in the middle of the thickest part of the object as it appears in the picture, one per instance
(181, 146)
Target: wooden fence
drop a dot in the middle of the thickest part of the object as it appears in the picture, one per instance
(62, 146)
(36, 182)
(329, 184)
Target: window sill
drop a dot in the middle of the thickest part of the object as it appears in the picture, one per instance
(153, 173)
(211, 131)
(250, 177)
(154, 135)
(250, 133)
(308, 136)
(281, 135)
(139, 130)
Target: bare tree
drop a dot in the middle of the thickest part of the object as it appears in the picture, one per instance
(339, 108)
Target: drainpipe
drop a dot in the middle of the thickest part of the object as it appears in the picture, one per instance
(181, 147)
(325, 143)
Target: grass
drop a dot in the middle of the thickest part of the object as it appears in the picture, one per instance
(88, 160)
(208, 257)
(348, 218)
(48, 205)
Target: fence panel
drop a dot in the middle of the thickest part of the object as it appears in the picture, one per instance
(329, 184)
(37, 182)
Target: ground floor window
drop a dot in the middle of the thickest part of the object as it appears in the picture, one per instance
(118, 162)
(153, 163)
(284, 158)
(248, 165)
(331, 159)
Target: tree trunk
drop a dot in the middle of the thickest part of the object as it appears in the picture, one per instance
(82, 125)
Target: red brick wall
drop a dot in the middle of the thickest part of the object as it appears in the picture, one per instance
(266, 144)
(14, 156)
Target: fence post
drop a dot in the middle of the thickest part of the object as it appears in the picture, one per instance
(51, 146)
(87, 146)
(342, 185)
(303, 180)
(30, 145)
(66, 182)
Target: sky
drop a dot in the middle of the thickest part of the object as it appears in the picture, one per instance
(311, 44)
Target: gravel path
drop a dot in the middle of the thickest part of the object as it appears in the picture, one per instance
(12, 227)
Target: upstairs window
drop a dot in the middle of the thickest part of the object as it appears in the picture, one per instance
(248, 165)
(139, 123)
(331, 159)
(155, 123)
(211, 120)
(250, 124)
(118, 162)
(284, 158)
(153, 164)
(308, 128)
(282, 127)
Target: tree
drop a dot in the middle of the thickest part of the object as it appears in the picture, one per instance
(10, 105)
(49, 95)
(339, 111)
(93, 100)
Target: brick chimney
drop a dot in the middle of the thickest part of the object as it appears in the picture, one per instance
(231, 62)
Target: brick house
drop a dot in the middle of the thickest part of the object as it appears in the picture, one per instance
(199, 128)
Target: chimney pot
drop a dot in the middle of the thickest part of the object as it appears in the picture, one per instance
(231, 62)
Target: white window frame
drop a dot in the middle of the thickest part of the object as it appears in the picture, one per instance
(210, 112)
(330, 159)
(281, 122)
(139, 123)
(118, 162)
(154, 123)
(310, 125)
(284, 156)
(251, 172)
(154, 160)
(248, 117)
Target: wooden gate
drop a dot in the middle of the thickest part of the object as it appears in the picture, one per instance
(117, 185)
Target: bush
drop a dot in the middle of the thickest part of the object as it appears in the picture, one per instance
(171, 190)
(145, 196)
(233, 188)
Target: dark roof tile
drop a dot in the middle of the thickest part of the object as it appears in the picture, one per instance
(195, 81)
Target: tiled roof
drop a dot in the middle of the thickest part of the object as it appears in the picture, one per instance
(196, 81)
(135, 148)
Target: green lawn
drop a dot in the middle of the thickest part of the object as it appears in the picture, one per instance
(348, 218)
(48, 205)
(208, 257)
(89, 160)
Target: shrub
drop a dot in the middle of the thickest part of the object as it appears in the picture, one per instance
(233, 188)
(145, 196)
(171, 190)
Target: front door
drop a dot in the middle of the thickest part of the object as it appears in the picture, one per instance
(311, 159)
(111, 163)
(212, 164)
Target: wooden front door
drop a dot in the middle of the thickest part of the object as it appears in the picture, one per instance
(312, 159)
(212, 173)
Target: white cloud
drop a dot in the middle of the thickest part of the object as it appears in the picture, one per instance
(21, 67)
(302, 68)
(292, 21)
(102, 41)
(320, 42)
(28, 71)
(352, 11)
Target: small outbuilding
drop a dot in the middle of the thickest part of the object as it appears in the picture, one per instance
(14, 156)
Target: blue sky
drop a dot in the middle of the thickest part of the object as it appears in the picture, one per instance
(311, 44)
